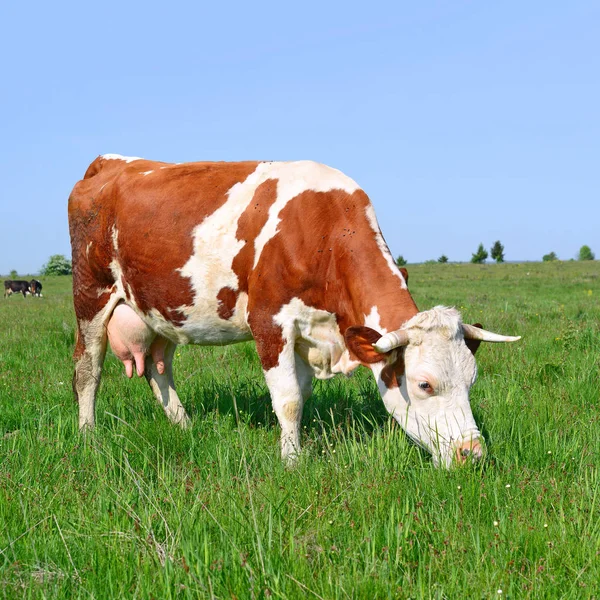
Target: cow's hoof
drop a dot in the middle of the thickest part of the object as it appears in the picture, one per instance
(291, 460)
(181, 419)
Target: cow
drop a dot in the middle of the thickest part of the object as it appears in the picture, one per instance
(289, 254)
(16, 286)
(35, 288)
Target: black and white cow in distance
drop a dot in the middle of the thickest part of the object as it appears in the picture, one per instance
(35, 288)
(286, 253)
(16, 286)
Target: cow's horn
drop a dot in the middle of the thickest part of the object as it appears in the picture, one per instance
(475, 333)
(391, 340)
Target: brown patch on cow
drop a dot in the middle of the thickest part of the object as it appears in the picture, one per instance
(325, 253)
(360, 340)
(391, 374)
(79, 346)
(268, 337)
(91, 216)
(226, 299)
(250, 224)
(404, 274)
(472, 345)
(157, 232)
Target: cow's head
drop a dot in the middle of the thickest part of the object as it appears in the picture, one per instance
(424, 371)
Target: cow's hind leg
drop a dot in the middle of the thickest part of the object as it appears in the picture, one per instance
(90, 350)
(162, 384)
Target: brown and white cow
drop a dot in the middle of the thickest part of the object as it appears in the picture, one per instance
(286, 253)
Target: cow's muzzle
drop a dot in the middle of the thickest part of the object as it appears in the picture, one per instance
(469, 450)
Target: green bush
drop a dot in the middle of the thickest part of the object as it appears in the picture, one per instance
(497, 252)
(479, 256)
(57, 264)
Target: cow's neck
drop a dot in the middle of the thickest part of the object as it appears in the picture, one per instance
(374, 295)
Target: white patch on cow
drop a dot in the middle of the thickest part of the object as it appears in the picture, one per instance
(87, 249)
(114, 235)
(373, 320)
(157, 322)
(317, 336)
(385, 251)
(209, 268)
(103, 186)
(117, 273)
(126, 159)
(292, 179)
(115, 267)
(147, 172)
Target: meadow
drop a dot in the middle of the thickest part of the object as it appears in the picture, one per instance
(141, 509)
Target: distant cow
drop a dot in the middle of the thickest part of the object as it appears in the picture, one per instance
(286, 253)
(16, 287)
(35, 288)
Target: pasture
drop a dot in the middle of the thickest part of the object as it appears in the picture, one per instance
(140, 509)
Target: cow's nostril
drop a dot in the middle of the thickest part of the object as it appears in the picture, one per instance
(469, 451)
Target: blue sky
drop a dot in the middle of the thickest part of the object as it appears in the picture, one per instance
(465, 122)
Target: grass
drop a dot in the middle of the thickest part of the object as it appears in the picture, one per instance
(141, 509)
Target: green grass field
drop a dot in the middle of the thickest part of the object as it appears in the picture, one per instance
(141, 509)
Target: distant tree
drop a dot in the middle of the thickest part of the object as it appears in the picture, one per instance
(585, 253)
(443, 259)
(430, 262)
(57, 264)
(13, 274)
(549, 257)
(497, 251)
(479, 256)
(401, 261)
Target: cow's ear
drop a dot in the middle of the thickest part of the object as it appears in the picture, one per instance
(404, 274)
(472, 345)
(360, 340)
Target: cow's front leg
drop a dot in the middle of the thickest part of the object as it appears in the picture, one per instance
(288, 402)
(275, 348)
(304, 373)
(163, 384)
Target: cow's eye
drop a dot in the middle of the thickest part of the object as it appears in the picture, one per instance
(424, 386)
